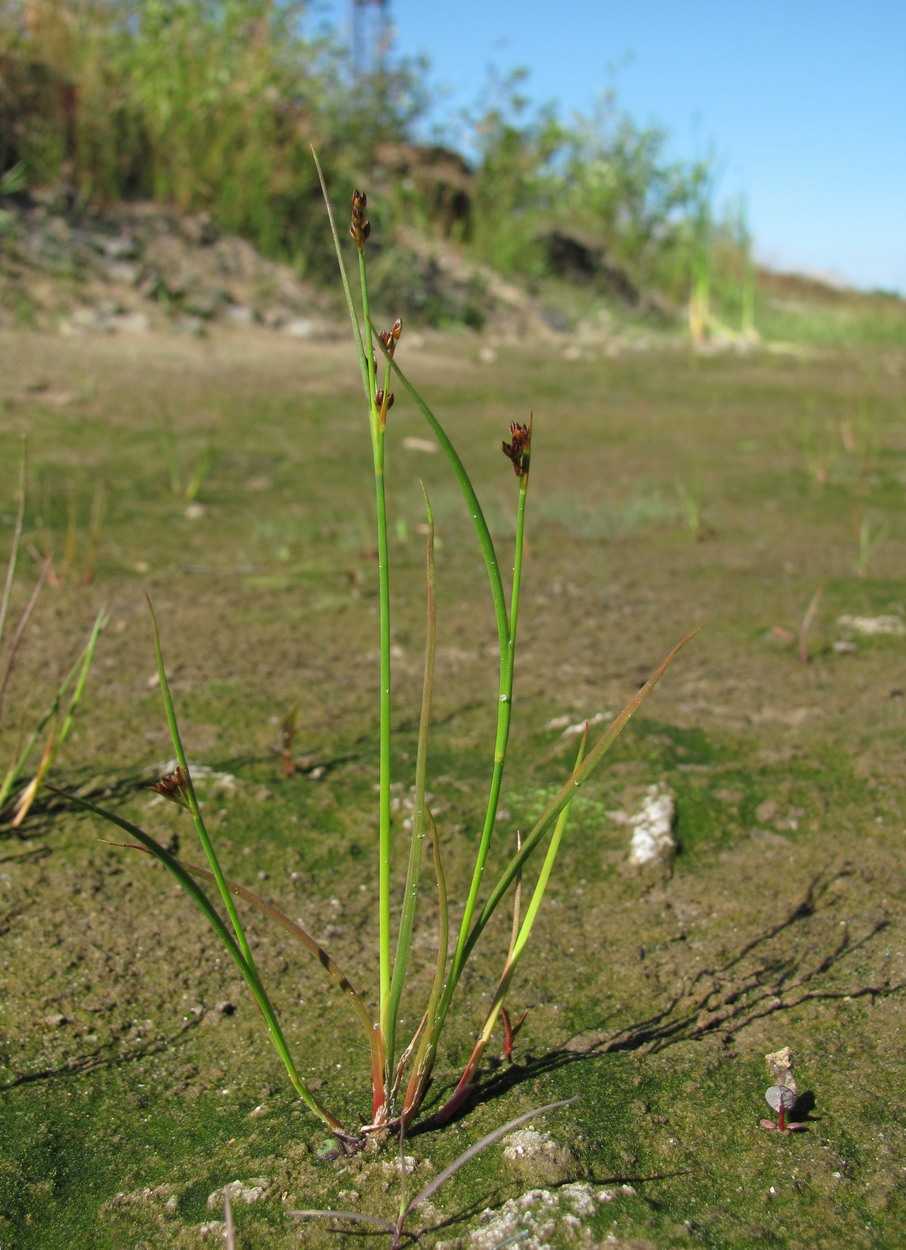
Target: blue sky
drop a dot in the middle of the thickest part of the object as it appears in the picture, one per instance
(803, 102)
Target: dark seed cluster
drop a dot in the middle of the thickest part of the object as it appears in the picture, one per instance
(360, 227)
(518, 451)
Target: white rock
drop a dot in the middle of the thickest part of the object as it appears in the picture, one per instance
(240, 1191)
(652, 828)
(872, 625)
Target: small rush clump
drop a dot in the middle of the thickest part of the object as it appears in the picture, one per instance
(402, 1066)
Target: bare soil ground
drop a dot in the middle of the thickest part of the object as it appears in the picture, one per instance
(668, 489)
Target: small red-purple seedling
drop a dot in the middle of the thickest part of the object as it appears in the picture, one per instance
(781, 1099)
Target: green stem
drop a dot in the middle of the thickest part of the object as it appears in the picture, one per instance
(377, 419)
(550, 857)
(504, 714)
(566, 794)
(506, 634)
(420, 815)
(485, 542)
(424, 1060)
(79, 671)
(521, 934)
(531, 915)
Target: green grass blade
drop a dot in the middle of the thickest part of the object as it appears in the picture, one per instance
(17, 538)
(504, 713)
(79, 674)
(100, 623)
(344, 279)
(311, 945)
(79, 671)
(443, 924)
(23, 750)
(531, 912)
(19, 632)
(427, 1049)
(198, 819)
(520, 938)
(246, 965)
(566, 794)
(179, 870)
(485, 542)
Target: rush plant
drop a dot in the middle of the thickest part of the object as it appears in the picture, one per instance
(402, 1066)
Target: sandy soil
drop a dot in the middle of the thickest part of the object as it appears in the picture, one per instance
(667, 490)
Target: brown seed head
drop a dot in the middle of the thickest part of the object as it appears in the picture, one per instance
(519, 450)
(174, 786)
(360, 227)
(391, 337)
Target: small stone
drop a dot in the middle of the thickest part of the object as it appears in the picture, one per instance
(872, 626)
(248, 1192)
(780, 1066)
(779, 1095)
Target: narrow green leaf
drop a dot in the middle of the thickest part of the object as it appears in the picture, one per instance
(200, 827)
(78, 673)
(433, 1020)
(347, 291)
(566, 794)
(301, 935)
(17, 538)
(245, 965)
(521, 937)
(485, 542)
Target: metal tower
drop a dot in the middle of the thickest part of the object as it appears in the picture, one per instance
(370, 23)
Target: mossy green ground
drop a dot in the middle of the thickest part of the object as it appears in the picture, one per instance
(136, 1078)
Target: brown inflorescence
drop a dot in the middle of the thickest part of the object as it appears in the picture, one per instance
(360, 227)
(518, 451)
(391, 337)
(174, 786)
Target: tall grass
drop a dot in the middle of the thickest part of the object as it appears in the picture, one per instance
(35, 737)
(200, 106)
(215, 106)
